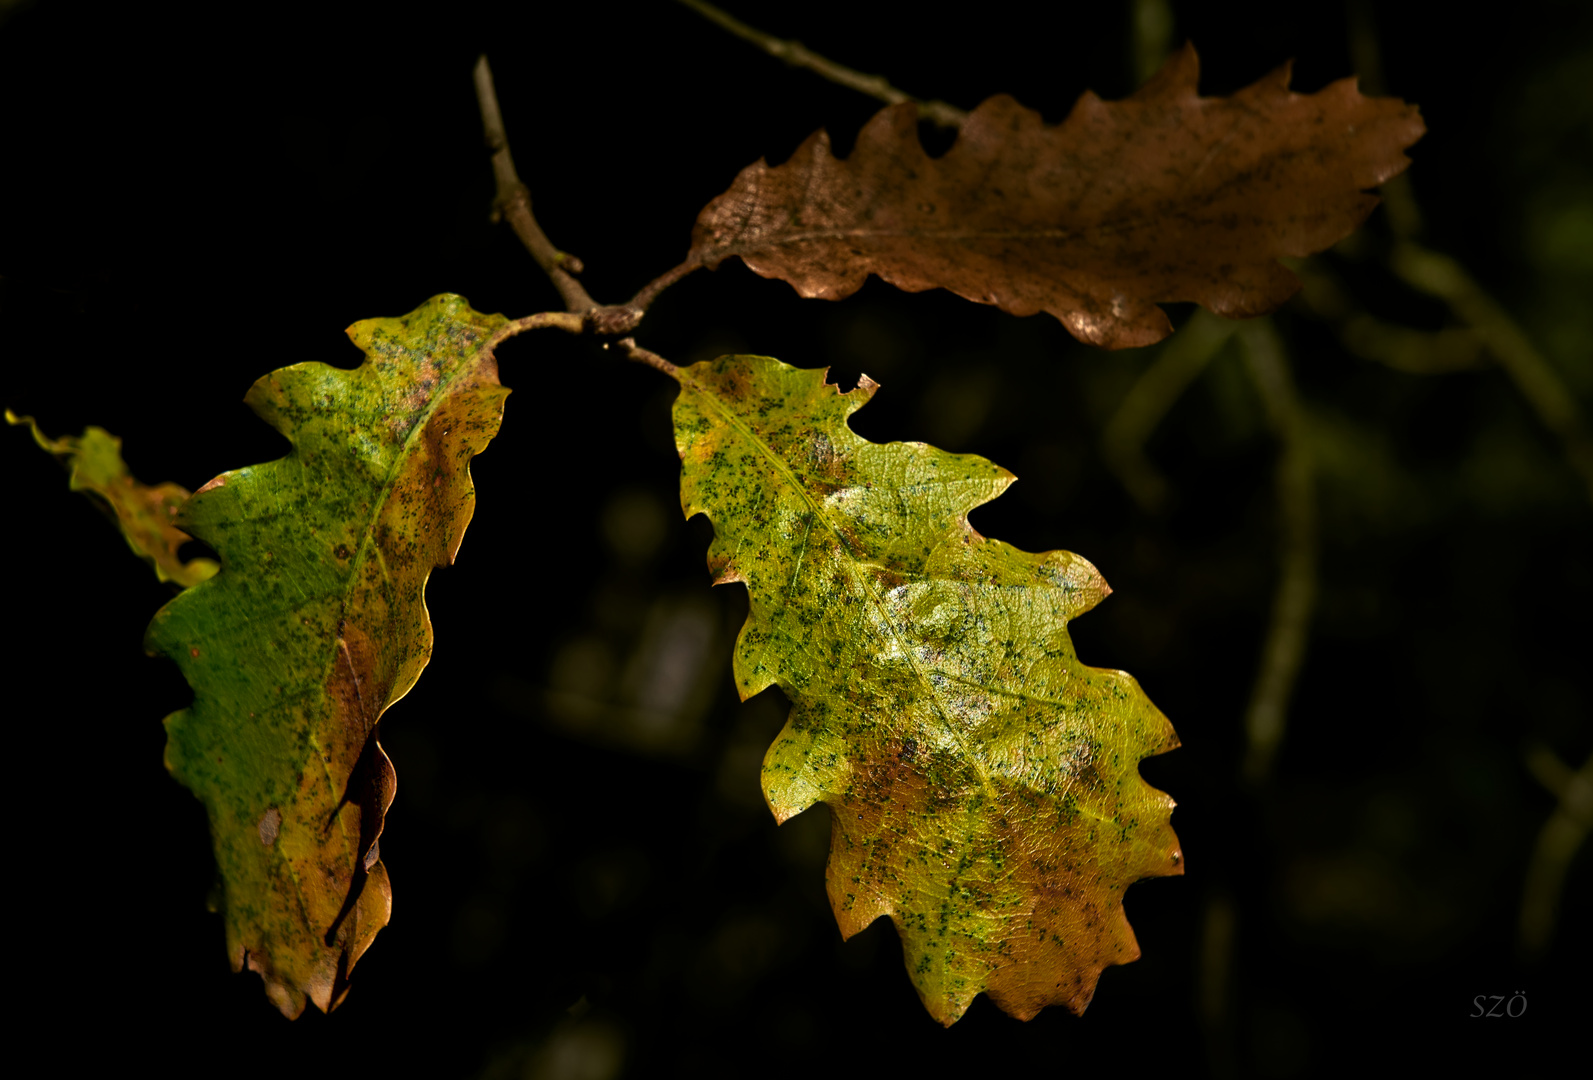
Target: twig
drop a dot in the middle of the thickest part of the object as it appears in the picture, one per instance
(1183, 358)
(1403, 348)
(1370, 338)
(1295, 598)
(567, 321)
(635, 352)
(1557, 844)
(514, 200)
(1441, 276)
(572, 323)
(649, 292)
(798, 55)
(1415, 352)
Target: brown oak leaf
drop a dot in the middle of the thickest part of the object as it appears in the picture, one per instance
(1164, 196)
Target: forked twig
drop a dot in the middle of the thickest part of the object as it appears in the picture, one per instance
(1443, 277)
(1403, 348)
(514, 202)
(798, 55)
(1557, 408)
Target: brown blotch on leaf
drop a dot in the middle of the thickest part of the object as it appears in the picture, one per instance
(1162, 197)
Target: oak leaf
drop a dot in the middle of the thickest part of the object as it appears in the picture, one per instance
(982, 782)
(146, 513)
(317, 623)
(1164, 196)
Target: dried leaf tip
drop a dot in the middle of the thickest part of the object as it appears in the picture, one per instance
(1180, 72)
(146, 514)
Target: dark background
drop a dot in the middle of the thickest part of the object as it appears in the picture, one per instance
(586, 881)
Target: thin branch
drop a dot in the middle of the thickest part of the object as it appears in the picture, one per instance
(649, 292)
(514, 200)
(1403, 348)
(1441, 276)
(1557, 844)
(559, 320)
(572, 323)
(514, 203)
(798, 55)
(1415, 352)
(635, 352)
(1295, 599)
(1183, 358)
(1545, 765)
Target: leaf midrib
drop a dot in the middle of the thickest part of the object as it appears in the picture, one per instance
(367, 544)
(1115, 225)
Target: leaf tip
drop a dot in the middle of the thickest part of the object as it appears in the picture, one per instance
(45, 443)
(1179, 74)
(1279, 77)
(290, 1003)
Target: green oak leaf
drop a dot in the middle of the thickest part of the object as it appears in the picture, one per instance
(145, 513)
(317, 623)
(983, 784)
